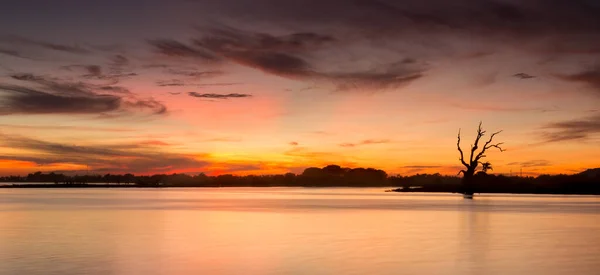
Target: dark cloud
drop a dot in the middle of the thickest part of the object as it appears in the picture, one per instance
(590, 77)
(74, 49)
(177, 49)
(180, 83)
(217, 84)
(228, 39)
(119, 61)
(557, 26)
(12, 53)
(22, 100)
(523, 76)
(280, 64)
(55, 96)
(366, 142)
(141, 157)
(114, 74)
(390, 78)
(218, 96)
(93, 71)
(146, 104)
(294, 143)
(66, 87)
(528, 17)
(532, 163)
(66, 128)
(571, 130)
(115, 89)
(26, 77)
(286, 56)
(156, 66)
(170, 83)
(194, 73)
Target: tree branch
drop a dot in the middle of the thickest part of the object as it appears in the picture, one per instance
(480, 133)
(488, 145)
(462, 159)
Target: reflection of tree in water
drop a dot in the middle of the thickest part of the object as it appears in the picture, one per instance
(473, 237)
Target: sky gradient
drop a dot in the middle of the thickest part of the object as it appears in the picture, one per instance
(265, 86)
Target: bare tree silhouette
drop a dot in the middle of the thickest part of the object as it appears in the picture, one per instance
(475, 158)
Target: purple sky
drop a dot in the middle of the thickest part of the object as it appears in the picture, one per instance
(267, 86)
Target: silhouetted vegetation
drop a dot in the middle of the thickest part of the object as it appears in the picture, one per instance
(587, 182)
(475, 158)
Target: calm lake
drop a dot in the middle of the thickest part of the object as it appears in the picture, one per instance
(294, 231)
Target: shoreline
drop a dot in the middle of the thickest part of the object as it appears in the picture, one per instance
(394, 190)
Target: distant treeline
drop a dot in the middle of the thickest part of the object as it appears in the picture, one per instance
(587, 182)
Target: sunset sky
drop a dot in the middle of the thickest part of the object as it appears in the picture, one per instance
(266, 86)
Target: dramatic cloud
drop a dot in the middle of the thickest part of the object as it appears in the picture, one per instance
(280, 64)
(532, 163)
(94, 71)
(21, 100)
(194, 73)
(67, 128)
(119, 61)
(391, 77)
(114, 74)
(366, 142)
(180, 83)
(11, 53)
(61, 97)
(522, 18)
(218, 96)
(146, 104)
(457, 58)
(18, 40)
(140, 158)
(177, 49)
(228, 39)
(171, 83)
(590, 77)
(286, 56)
(572, 129)
(523, 76)
(115, 89)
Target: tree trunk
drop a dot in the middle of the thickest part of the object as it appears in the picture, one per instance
(468, 186)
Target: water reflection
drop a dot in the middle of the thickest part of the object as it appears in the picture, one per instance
(293, 231)
(473, 237)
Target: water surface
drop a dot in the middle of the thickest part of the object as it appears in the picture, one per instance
(294, 231)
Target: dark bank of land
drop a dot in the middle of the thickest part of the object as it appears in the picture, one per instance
(587, 182)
